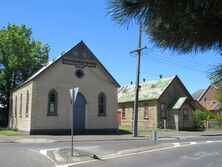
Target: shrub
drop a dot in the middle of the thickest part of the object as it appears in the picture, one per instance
(199, 116)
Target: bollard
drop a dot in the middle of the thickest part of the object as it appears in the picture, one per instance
(154, 136)
(164, 124)
(207, 123)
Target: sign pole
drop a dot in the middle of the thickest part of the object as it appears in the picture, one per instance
(73, 94)
(72, 128)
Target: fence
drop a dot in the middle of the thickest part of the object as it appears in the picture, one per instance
(213, 124)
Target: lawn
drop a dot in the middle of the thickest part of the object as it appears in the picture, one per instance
(8, 132)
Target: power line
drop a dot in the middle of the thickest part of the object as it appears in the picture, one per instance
(156, 74)
(189, 65)
(181, 59)
(165, 61)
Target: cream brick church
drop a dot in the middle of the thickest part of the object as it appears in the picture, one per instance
(42, 104)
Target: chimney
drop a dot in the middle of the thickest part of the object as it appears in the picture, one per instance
(161, 76)
(144, 79)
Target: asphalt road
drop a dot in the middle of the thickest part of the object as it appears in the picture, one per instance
(205, 155)
(14, 155)
(27, 155)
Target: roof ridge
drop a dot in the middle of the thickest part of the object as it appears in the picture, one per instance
(144, 82)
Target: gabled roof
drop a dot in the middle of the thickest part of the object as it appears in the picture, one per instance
(201, 92)
(149, 90)
(179, 103)
(196, 95)
(77, 48)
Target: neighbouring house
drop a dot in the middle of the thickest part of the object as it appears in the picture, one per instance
(207, 98)
(162, 99)
(42, 104)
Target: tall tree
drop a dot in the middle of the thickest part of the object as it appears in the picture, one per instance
(20, 57)
(184, 25)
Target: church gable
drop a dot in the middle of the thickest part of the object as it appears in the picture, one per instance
(79, 56)
(80, 52)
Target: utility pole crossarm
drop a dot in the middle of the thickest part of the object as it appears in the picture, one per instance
(138, 50)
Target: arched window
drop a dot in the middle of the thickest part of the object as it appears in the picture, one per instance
(27, 104)
(15, 106)
(102, 104)
(52, 102)
(20, 111)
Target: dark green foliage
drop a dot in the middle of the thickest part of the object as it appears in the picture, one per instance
(184, 25)
(20, 57)
(216, 76)
(199, 116)
(219, 97)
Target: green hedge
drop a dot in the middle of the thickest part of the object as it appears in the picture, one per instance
(199, 116)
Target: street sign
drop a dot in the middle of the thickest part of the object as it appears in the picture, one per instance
(73, 93)
(76, 90)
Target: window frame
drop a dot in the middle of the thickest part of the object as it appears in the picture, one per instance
(55, 113)
(103, 104)
(20, 109)
(123, 115)
(79, 73)
(163, 110)
(27, 104)
(12, 107)
(146, 112)
(133, 111)
(185, 116)
(15, 113)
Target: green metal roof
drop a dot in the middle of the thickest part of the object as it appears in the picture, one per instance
(179, 103)
(151, 89)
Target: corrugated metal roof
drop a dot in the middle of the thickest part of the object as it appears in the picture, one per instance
(151, 89)
(179, 103)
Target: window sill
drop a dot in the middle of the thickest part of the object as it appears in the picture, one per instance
(52, 114)
(101, 115)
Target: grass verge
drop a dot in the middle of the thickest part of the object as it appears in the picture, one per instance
(8, 132)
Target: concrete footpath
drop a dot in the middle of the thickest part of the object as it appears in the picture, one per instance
(85, 138)
(67, 138)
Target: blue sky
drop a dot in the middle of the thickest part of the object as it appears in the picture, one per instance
(63, 23)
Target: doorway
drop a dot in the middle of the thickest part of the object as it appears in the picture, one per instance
(79, 112)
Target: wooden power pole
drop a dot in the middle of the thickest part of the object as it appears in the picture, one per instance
(138, 50)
